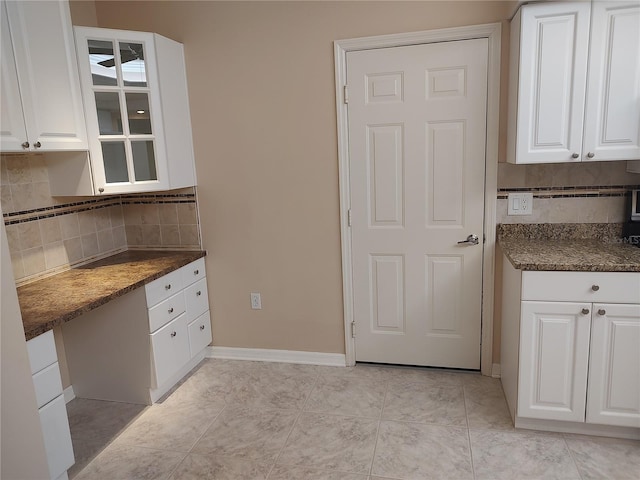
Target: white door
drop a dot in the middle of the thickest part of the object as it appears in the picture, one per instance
(614, 366)
(417, 129)
(554, 356)
(612, 119)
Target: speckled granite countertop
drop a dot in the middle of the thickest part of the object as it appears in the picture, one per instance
(54, 300)
(564, 247)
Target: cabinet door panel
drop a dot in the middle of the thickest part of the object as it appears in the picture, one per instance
(200, 333)
(614, 366)
(57, 437)
(170, 349)
(553, 67)
(48, 74)
(554, 351)
(612, 121)
(12, 128)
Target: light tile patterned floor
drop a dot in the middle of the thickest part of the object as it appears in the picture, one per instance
(275, 421)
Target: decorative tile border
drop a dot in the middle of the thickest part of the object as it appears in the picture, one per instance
(24, 216)
(572, 192)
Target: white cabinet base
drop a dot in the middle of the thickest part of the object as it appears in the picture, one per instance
(578, 428)
(157, 393)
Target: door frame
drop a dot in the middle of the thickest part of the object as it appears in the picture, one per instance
(492, 32)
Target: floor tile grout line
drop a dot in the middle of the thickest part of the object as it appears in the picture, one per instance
(315, 382)
(564, 438)
(173, 470)
(375, 445)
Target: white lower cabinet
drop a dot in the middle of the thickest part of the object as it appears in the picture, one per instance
(179, 323)
(577, 362)
(51, 404)
(136, 347)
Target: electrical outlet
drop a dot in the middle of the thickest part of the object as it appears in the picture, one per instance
(520, 204)
(256, 301)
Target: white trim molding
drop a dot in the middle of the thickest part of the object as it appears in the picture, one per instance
(496, 371)
(69, 394)
(492, 32)
(283, 356)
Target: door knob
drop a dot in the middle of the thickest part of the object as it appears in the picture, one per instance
(471, 240)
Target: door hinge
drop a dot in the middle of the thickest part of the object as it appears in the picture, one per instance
(349, 217)
(345, 95)
(353, 329)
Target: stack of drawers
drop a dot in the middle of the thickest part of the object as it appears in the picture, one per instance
(51, 404)
(179, 320)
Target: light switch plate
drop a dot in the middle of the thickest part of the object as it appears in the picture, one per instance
(520, 204)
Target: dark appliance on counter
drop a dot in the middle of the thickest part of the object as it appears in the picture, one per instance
(631, 229)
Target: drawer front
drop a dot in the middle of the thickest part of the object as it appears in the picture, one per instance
(592, 287)
(166, 311)
(57, 437)
(170, 349)
(197, 299)
(163, 287)
(193, 272)
(48, 384)
(42, 351)
(200, 333)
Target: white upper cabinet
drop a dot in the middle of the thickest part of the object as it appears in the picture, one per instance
(40, 99)
(137, 107)
(612, 118)
(574, 85)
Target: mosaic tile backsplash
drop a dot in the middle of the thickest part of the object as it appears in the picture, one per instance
(49, 234)
(594, 192)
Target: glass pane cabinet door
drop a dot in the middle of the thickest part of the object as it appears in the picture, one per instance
(121, 90)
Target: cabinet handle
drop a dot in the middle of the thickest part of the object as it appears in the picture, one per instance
(198, 293)
(595, 288)
(37, 145)
(201, 327)
(171, 310)
(101, 190)
(173, 334)
(167, 287)
(25, 145)
(575, 155)
(585, 311)
(196, 272)
(602, 311)
(591, 155)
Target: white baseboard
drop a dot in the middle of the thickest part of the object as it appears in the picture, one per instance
(284, 356)
(69, 394)
(495, 370)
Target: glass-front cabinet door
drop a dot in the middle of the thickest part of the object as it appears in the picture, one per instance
(122, 102)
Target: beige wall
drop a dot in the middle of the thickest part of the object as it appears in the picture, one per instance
(261, 82)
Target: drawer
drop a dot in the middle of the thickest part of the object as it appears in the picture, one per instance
(166, 311)
(57, 437)
(193, 272)
(607, 287)
(170, 349)
(200, 333)
(42, 351)
(197, 299)
(163, 287)
(48, 384)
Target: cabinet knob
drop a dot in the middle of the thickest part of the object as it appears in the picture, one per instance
(25, 145)
(37, 145)
(198, 293)
(595, 288)
(201, 327)
(101, 190)
(585, 311)
(173, 334)
(602, 311)
(167, 287)
(575, 155)
(196, 272)
(591, 155)
(170, 310)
